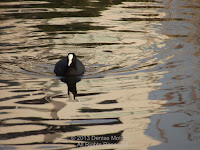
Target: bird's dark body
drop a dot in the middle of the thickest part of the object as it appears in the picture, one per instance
(62, 68)
(71, 69)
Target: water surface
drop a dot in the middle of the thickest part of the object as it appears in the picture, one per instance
(141, 88)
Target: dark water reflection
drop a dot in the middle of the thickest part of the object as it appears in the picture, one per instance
(141, 88)
(71, 85)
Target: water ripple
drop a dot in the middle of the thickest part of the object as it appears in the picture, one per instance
(138, 68)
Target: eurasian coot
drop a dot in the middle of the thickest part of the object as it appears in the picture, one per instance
(69, 65)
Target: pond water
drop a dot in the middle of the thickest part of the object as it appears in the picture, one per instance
(141, 89)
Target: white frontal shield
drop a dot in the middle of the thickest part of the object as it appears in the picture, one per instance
(70, 57)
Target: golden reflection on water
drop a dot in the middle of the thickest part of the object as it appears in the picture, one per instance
(141, 84)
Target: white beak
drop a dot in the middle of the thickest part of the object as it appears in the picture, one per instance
(69, 63)
(70, 57)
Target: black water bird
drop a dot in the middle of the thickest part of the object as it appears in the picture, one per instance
(69, 65)
(71, 69)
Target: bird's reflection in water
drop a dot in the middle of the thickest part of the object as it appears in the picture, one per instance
(72, 92)
(71, 84)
